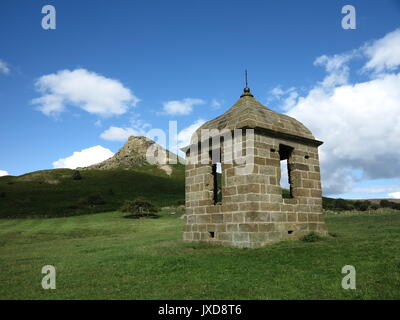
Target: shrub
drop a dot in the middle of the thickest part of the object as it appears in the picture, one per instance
(180, 202)
(389, 204)
(138, 206)
(311, 237)
(362, 205)
(374, 206)
(395, 206)
(92, 200)
(342, 205)
(76, 175)
(384, 204)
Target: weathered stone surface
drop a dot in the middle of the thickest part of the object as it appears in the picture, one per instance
(253, 212)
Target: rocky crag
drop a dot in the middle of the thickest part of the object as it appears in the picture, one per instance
(137, 152)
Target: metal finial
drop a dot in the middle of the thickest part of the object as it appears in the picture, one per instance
(246, 91)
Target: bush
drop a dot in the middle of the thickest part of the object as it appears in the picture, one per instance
(76, 175)
(180, 202)
(384, 204)
(311, 237)
(374, 206)
(92, 200)
(342, 205)
(138, 206)
(389, 204)
(362, 205)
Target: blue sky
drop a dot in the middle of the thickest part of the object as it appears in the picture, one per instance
(184, 61)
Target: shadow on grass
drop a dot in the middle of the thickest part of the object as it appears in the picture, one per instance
(142, 216)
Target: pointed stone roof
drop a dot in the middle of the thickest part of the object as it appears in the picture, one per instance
(247, 112)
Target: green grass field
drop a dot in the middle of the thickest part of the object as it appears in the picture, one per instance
(106, 256)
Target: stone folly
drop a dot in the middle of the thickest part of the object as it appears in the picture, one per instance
(246, 208)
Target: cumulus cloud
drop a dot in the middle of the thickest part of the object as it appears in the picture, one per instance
(4, 67)
(384, 53)
(216, 104)
(185, 134)
(3, 173)
(359, 122)
(287, 98)
(360, 125)
(336, 67)
(118, 134)
(84, 89)
(377, 189)
(83, 158)
(137, 127)
(395, 195)
(181, 107)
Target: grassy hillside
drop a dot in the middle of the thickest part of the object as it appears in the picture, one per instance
(54, 193)
(105, 256)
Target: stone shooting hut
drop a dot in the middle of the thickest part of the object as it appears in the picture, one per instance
(249, 208)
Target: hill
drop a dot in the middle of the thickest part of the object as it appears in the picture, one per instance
(135, 153)
(102, 187)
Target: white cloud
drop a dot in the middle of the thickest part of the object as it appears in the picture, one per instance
(395, 195)
(286, 102)
(284, 182)
(358, 122)
(138, 124)
(336, 67)
(3, 173)
(181, 107)
(277, 92)
(377, 189)
(290, 101)
(138, 127)
(360, 125)
(83, 158)
(185, 134)
(215, 104)
(384, 53)
(4, 67)
(84, 89)
(118, 134)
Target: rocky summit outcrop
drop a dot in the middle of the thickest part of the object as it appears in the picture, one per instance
(137, 152)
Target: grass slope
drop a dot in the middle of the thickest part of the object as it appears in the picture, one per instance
(104, 256)
(53, 193)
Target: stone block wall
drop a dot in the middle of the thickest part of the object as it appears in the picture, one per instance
(252, 212)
